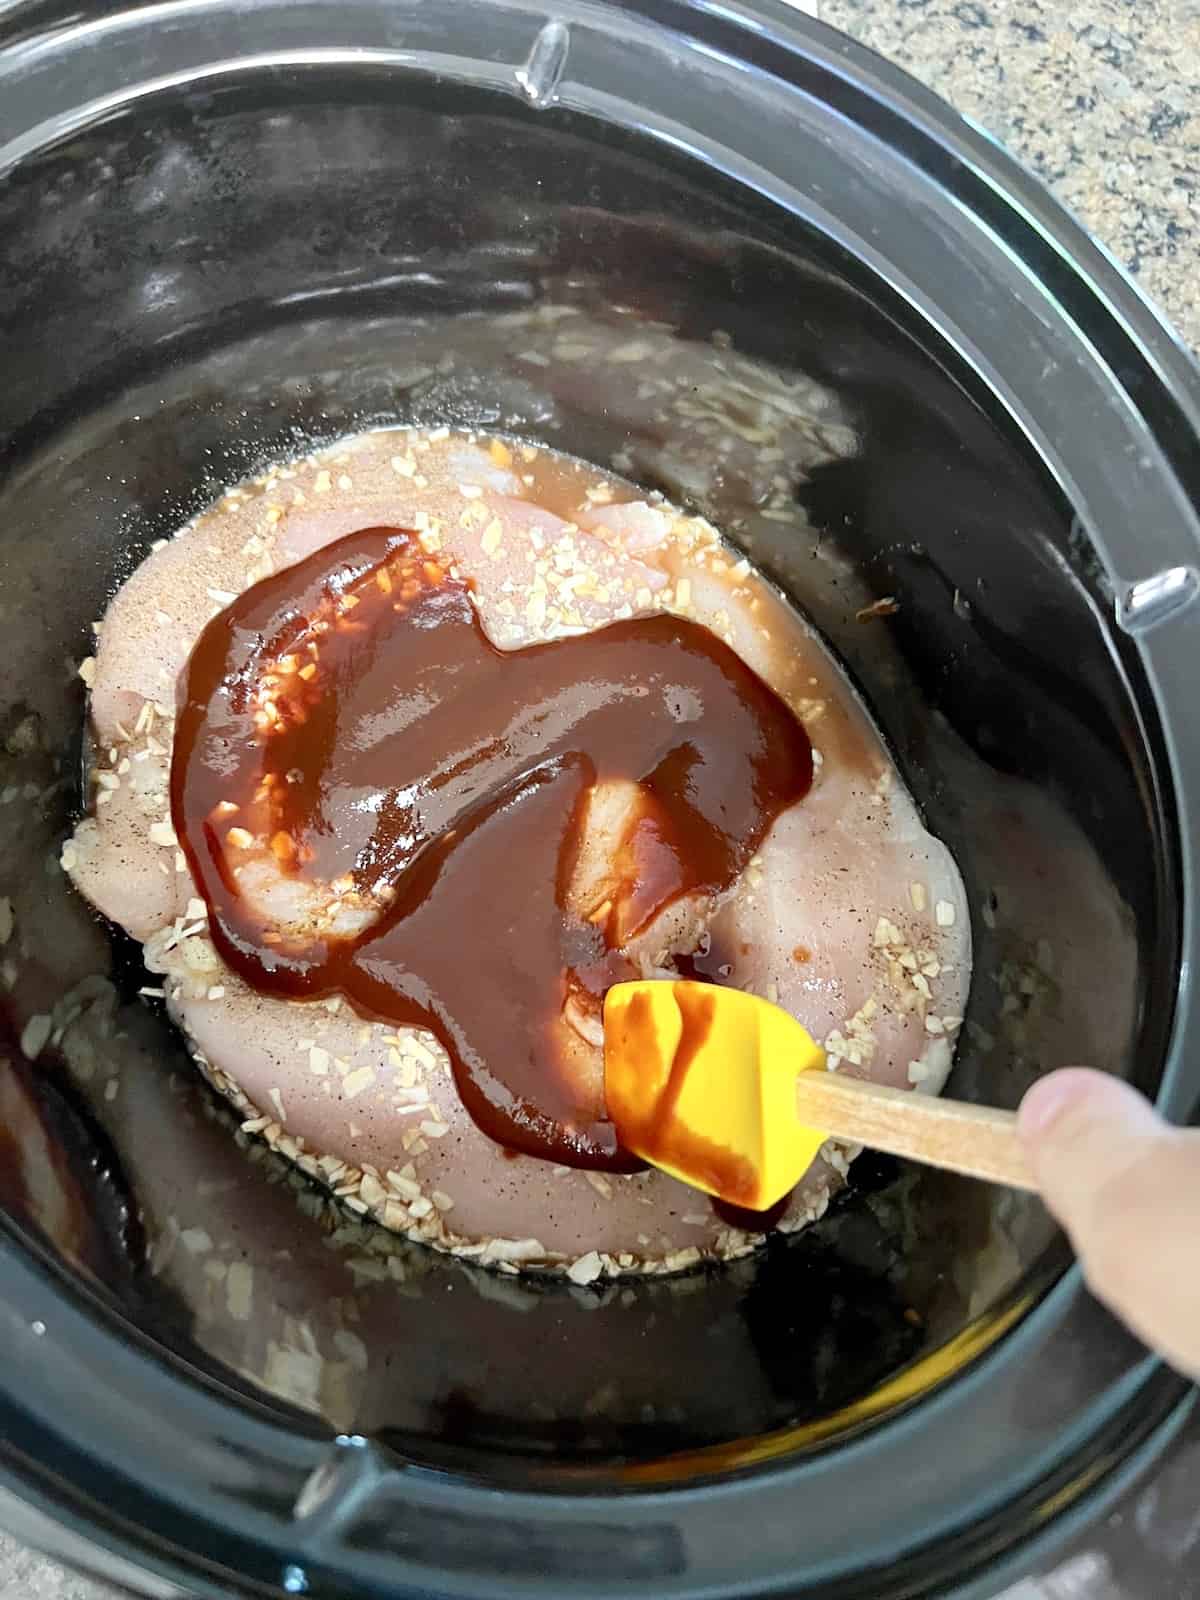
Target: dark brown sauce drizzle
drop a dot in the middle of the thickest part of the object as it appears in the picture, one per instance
(709, 962)
(351, 715)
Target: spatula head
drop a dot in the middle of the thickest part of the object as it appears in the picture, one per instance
(701, 1081)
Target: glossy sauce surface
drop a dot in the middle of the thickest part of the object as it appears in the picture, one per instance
(349, 722)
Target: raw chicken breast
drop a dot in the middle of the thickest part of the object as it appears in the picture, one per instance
(851, 915)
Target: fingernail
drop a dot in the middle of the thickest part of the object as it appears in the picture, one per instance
(1045, 1103)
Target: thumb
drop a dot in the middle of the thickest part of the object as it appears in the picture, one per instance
(1126, 1187)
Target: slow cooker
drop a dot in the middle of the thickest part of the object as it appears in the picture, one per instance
(229, 231)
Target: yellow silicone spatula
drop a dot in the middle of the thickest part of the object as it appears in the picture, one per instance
(729, 1093)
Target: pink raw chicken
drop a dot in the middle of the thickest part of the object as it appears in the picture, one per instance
(852, 916)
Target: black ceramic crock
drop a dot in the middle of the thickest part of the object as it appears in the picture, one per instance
(223, 230)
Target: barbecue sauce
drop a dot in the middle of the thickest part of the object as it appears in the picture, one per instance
(348, 725)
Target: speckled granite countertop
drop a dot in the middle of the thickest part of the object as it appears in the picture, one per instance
(1102, 100)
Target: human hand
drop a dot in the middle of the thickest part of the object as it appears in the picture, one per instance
(1126, 1187)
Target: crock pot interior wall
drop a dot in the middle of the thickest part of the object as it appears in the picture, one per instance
(225, 277)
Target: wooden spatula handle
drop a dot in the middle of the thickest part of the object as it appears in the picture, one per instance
(975, 1140)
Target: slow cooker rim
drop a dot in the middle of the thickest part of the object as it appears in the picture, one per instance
(938, 130)
(1156, 1405)
(1166, 361)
